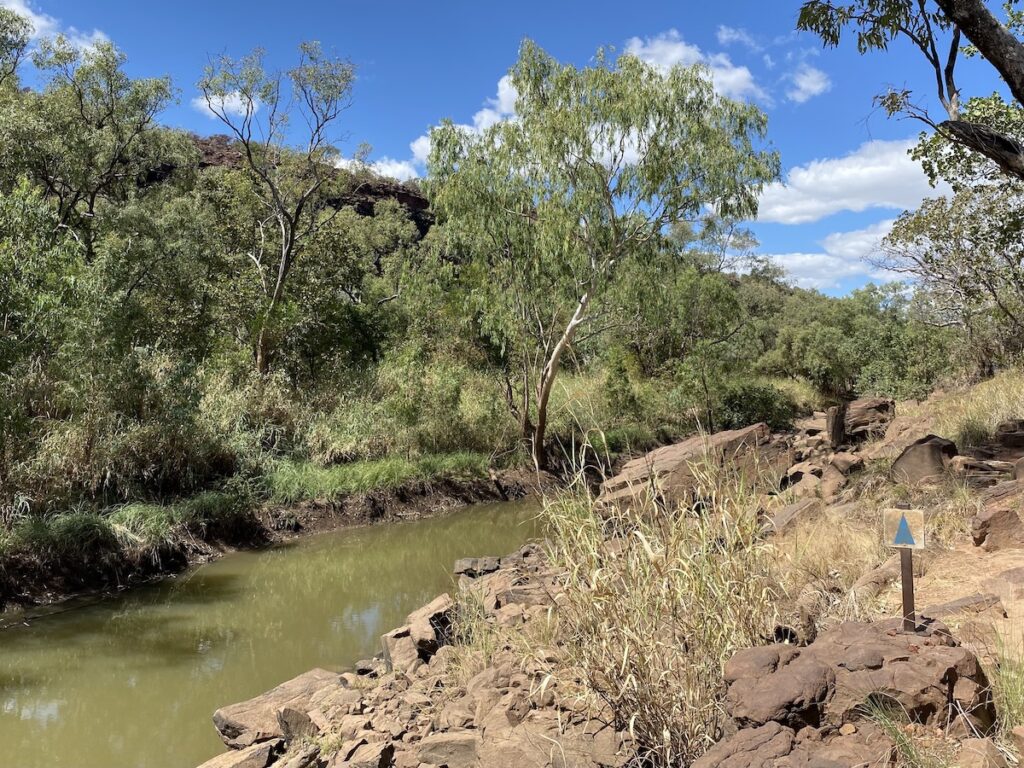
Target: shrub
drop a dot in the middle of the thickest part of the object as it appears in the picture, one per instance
(746, 403)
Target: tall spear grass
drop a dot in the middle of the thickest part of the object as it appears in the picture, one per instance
(655, 601)
(971, 417)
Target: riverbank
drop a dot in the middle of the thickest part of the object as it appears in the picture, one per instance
(47, 560)
(597, 651)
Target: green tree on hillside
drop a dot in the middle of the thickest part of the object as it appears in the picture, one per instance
(547, 212)
(261, 109)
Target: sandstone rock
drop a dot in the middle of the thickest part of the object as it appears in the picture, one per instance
(976, 603)
(400, 650)
(868, 417)
(900, 433)
(835, 425)
(980, 753)
(832, 482)
(430, 626)
(871, 584)
(1011, 433)
(791, 513)
(923, 460)
(253, 756)
(998, 525)
(756, 747)
(457, 749)
(847, 462)
(667, 473)
(1018, 469)
(374, 755)
(307, 757)
(1017, 737)
(256, 720)
(827, 683)
(475, 566)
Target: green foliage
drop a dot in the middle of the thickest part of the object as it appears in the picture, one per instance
(294, 481)
(550, 211)
(250, 330)
(746, 403)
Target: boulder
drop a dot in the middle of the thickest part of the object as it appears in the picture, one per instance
(835, 425)
(827, 683)
(976, 603)
(832, 482)
(980, 472)
(980, 753)
(791, 513)
(430, 626)
(1010, 434)
(758, 747)
(923, 461)
(374, 755)
(775, 746)
(400, 650)
(456, 749)
(305, 757)
(254, 756)
(867, 418)
(667, 473)
(847, 462)
(1018, 469)
(254, 720)
(475, 566)
(998, 525)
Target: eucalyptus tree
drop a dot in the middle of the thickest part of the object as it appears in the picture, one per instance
(15, 31)
(966, 252)
(265, 111)
(90, 137)
(938, 29)
(545, 213)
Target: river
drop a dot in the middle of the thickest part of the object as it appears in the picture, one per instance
(131, 681)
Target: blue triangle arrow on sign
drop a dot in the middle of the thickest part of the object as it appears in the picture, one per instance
(903, 535)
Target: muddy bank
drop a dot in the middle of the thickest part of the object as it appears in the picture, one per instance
(99, 566)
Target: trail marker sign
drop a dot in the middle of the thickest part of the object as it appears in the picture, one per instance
(904, 530)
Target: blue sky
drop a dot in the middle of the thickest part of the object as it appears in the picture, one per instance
(844, 162)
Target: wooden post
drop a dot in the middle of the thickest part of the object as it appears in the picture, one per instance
(907, 568)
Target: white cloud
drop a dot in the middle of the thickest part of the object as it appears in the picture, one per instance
(420, 149)
(843, 256)
(878, 174)
(808, 82)
(44, 25)
(731, 35)
(233, 104)
(668, 49)
(403, 170)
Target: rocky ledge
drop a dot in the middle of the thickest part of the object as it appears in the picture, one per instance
(419, 705)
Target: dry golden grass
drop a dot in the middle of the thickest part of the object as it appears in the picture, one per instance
(655, 602)
(970, 417)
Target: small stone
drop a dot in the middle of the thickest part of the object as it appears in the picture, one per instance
(847, 729)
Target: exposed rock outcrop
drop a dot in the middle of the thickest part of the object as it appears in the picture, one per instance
(924, 460)
(670, 473)
(808, 706)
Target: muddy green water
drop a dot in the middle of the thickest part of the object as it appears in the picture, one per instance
(132, 682)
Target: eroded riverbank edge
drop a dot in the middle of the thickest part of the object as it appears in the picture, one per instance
(29, 584)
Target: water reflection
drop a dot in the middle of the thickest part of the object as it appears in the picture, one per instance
(132, 682)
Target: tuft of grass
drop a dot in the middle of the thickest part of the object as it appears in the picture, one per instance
(970, 418)
(633, 615)
(1006, 678)
(293, 481)
(910, 750)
